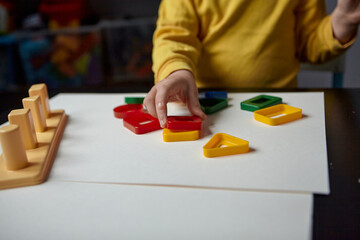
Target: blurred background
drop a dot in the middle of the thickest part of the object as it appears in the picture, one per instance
(71, 44)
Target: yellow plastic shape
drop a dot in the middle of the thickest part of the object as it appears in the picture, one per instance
(177, 136)
(278, 114)
(222, 144)
(14, 154)
(23, 118)
(37, 112)
(41, 91)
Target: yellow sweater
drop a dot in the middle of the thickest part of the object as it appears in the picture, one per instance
(242, 43)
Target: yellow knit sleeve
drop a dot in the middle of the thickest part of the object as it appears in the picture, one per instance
(176, 45)
(314, 33)
(330, 40)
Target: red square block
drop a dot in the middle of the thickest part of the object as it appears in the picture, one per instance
(141, 123)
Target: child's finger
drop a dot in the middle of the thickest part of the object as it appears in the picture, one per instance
(161, 99)
(149, 102)
(194, 106)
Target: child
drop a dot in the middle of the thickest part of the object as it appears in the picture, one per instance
(241, 43)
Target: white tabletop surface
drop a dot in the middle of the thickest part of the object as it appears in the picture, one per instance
(61, 210)
(291, 157)
(109, 183)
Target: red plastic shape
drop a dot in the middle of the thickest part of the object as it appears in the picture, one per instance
(128, 109)
(185, 123)
(141, 123)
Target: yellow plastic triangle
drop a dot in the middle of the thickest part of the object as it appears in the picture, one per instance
(222, 144)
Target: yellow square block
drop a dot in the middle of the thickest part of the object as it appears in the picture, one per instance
(222, 144)
(177, 136)
(278, 114)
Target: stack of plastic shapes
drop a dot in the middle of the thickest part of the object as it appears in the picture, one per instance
(214, 94)
(182, 128)
(134, 100)
(213, 101)
(128, 109)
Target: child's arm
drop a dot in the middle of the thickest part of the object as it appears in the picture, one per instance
(178, 86)
(175, 54)
(318, 37)
(345, 21)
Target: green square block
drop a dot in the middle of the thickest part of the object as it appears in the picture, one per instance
(212, 105)
(134, 100)
(259, 102)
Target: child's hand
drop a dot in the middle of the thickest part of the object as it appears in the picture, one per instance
(178, 86)
(346, 18)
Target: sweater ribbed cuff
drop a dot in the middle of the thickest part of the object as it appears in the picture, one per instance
(171, 66)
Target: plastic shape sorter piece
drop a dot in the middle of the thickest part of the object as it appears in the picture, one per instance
(278, 114)
(127, 109)
(40, 158)
(177, 136)
(213, 94)
(141, 123)
(134, 100)
(212, 105)
(222, 144)
(259, 102)
(185, 123)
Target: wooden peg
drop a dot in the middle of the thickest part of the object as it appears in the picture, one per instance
(13, 147)
(37, 112)
(41, 91)
(23, 118)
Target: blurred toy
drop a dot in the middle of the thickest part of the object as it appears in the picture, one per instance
(128, 48)
(35, 55)
(7, 58)
(6, 16)
(63, 60)
(63, 13)
(72, 53)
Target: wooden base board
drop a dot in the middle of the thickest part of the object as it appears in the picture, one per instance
(40, 159)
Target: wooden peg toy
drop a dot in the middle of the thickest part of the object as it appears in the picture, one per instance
(30, 142)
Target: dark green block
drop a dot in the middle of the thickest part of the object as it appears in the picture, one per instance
(212, 105)
(259, 102)
(134, 100)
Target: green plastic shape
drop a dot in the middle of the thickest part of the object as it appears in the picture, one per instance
(212, 105)
(134, 100)
(259, 102)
